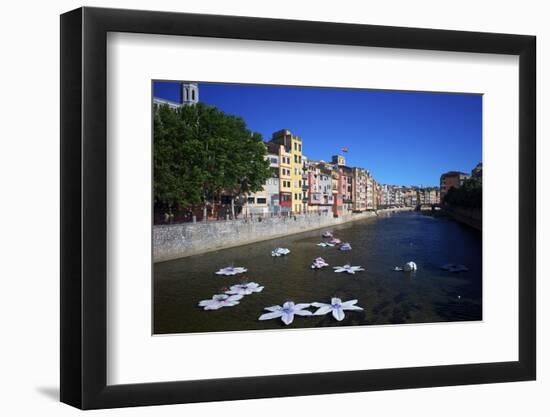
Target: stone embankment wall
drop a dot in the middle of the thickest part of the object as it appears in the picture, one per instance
(469, 216)
(187, 239)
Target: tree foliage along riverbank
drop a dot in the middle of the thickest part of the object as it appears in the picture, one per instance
(200, 152)
(468, 195)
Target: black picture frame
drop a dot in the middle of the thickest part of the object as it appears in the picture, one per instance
(84, 207)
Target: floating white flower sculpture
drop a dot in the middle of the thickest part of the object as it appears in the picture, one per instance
(318, 263)
(327, 234)
(455, 268)
(286, 312)
(246, 288)
(345, 246)
(231, 270)
(325, 244)
(280, 252)
(348, 269)
(335, 241)
(337, 308)
(409, 267)
(220, 300)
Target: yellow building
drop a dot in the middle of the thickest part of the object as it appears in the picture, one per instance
(293, 148)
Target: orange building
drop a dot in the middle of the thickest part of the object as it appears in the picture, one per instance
(451, 179)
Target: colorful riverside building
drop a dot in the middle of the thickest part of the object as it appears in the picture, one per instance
(371, 192)
(359, 189)
(285, 177)
(344, 199)
(449, 180)
(339, 185)
(314, 195)
(305, 186)
(428, 196)
(320, 186)
(337, 200)
(292, 145)
(266, 201)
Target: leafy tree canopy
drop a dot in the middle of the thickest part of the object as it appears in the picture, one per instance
(469, 194)
(199, 151)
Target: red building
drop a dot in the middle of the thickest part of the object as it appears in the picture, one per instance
(451, 179)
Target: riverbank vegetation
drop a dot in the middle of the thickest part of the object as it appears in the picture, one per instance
(201, 153)
(468, 195)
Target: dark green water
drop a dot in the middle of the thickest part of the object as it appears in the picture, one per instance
(388, 297)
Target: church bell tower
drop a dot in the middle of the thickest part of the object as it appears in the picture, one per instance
(189, 93)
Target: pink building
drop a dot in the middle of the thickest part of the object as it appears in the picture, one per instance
(315, 195)
(337, 196)
(346, 179)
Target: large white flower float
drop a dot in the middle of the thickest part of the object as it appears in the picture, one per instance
(455, 268)
(325, 244)
(286, 312)
(327, 234)
(246, 288)
(345, 246)
(280, 252)
(337, 308)
(348, 269)
(231, 270)
(220, 300)
(409, 267)
(318, 263)
(335, 241)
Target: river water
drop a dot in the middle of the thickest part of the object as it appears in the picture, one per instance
(388, 297)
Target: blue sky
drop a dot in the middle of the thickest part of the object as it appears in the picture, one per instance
(406, 138)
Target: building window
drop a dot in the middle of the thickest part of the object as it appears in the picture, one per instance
(300, 148)
(261, 200)
(250, 200)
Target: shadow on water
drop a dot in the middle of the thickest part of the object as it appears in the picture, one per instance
(388, 297)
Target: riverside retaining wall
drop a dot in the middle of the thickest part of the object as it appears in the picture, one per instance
(469, 216)
(187, 239)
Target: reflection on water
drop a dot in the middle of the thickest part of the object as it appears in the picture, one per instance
(388, 297)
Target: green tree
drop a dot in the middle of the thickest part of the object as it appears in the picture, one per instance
(200, 152)
(469, 194)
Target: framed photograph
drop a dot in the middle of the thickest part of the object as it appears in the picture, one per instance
(258, 208)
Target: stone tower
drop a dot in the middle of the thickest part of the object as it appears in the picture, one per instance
(338, 160)
(189, 93)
